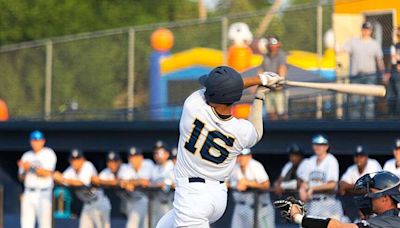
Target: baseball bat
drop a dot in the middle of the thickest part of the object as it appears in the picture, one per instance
(360, 89)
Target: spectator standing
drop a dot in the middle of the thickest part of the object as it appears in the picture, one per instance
(35, 171)
(288, 177)
(250, 174)
(393, 165)
(79, 175)
(394, 80)
(135, 177)
(275, 61)
(366, 65)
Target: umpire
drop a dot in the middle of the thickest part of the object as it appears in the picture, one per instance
(379, 196)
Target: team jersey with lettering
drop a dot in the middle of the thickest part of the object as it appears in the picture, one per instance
(352, 174)
(208, 145)
(86, 193)
(254, 172)
(46, 159)
(327, 170)
(391, 166)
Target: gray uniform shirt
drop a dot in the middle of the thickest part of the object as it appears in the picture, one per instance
(272, 63)
(389, 219)
(363, 55)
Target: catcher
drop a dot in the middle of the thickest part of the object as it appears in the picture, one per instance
(378, 199)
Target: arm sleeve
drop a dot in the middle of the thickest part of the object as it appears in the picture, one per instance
(21, 170)
(51, 160)
(256, 120)
(87, 173)
(249, 134)
(347, 176)
(261, 175)
(285, 169)
(69, 173)
(333, 171)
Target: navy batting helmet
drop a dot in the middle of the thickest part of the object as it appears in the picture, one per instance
(385, 183)
(224, 85)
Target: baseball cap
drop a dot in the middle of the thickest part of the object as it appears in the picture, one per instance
(320, 139)
(134, 151)
(272, 40)
(113, 156)
(224, 85)
(397, 144)
(245, 152)
(36, 135)
(367, 25)
(295, 149)
(75, 154)
(160, 144)
(360, 150)
(174, 152)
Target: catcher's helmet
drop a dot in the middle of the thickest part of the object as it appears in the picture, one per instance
(224, 85)
(385, 182)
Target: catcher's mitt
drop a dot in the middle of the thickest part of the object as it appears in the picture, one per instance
(286, 205)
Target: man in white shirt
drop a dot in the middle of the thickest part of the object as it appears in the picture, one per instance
(320, 180)
(135, 177)
(393, 165)
(36, 168)
(250, 174)
(362, 165)
(96, 206)
(162, 178)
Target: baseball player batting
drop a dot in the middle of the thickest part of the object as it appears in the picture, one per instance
(209, 142)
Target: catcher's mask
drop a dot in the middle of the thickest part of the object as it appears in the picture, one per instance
(385, 182)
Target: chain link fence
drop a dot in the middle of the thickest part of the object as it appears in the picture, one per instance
(105, 75)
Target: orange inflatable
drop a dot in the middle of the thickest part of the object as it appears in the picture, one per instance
(3, 111)
(241, 110)
(239, 57)
(162, 39)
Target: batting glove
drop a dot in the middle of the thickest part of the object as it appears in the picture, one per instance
(270, 79)
(285, 206)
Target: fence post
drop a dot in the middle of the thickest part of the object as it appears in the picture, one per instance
(1, 206)
(318, 101)
(319, 35)
(224, 37)
(131, 74)
(48, 80)
(256, 204)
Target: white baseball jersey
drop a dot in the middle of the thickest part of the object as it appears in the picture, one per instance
(391, 166)
(46, 159)
(327, 170)
(208, 145)
(303, 169)
(164, 173)
(127, 172)
(352, 174)
(254, 172)
(87, 171)
(107, 175)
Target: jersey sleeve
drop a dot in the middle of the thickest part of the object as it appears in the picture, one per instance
(69, 173)
(347, 46)
(347, 176)
(282, 59)
(23, 159)
(86, 174)
(105, 175)
(261, 174)
(386, 166)
(333, 171)
(51, 160)
(248, 134)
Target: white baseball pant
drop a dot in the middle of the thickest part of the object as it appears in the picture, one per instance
(137, 212)
(36, 204)
(243, 216)
(96, 214)
(196, 204)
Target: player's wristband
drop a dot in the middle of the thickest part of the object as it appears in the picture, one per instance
(313, 222)
(264, 80)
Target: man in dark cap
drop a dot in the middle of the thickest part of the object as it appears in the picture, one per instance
(393, 165)
(366, 61)
(362, 165)
(288, 177)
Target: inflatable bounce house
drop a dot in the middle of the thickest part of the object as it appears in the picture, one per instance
(174, 76)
